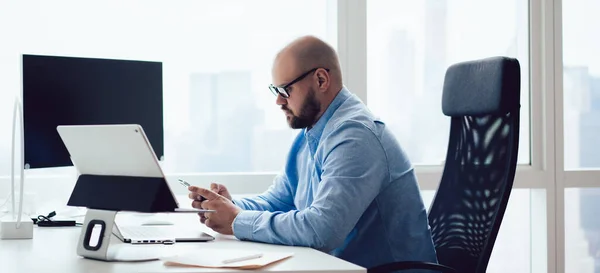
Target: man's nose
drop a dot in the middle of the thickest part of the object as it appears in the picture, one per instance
(280, 100)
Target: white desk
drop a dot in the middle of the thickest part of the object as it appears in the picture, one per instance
(53, 250)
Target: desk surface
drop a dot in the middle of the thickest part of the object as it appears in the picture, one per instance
(54, 250)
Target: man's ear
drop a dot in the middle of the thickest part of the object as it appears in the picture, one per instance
(324, 80)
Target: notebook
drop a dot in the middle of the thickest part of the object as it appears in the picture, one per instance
(221, 258)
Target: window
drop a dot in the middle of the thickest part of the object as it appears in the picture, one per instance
(217, 57)
(410, 44)
(582, 230)
(581, 131)
(581, 84)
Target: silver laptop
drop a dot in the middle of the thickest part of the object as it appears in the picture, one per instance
(124, 150)
(159, 234)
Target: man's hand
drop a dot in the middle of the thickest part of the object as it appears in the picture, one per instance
(221, 220)
(218, 188)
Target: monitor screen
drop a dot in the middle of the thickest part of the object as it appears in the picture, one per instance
(86, 91)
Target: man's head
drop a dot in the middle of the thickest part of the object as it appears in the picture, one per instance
(306, 78)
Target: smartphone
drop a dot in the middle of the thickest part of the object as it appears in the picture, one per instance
(186, 185)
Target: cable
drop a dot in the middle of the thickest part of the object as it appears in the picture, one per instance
(42, 218)
(46, 221)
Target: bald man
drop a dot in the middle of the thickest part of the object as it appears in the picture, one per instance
(347, 188)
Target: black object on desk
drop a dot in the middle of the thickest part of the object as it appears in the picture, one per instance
(47, 221)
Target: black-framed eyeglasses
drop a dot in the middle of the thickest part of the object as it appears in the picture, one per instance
(283, 90)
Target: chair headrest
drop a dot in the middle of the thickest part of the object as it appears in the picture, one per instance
(482, 87)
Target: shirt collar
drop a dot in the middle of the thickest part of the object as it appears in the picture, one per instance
(314, 134)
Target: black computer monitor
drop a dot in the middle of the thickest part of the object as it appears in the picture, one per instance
(83, 91)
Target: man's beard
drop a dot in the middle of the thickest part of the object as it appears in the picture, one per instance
(308, 112)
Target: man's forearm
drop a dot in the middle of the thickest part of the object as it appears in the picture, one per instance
(253, 203)
(298, 228)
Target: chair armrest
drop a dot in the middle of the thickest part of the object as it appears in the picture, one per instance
(385, 268)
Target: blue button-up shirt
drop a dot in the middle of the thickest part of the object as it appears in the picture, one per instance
(347, 189)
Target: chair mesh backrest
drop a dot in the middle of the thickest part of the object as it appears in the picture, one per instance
(466, 213)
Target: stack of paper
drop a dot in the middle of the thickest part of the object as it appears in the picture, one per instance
(226, 258)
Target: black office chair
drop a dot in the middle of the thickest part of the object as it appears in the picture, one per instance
(482, 97)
